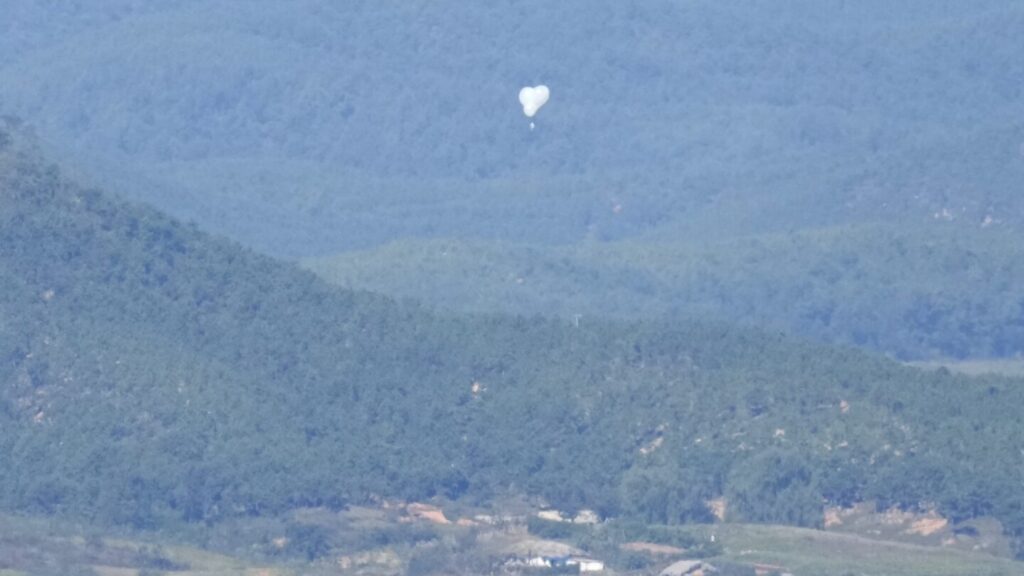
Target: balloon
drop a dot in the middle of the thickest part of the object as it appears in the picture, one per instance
(533, 98)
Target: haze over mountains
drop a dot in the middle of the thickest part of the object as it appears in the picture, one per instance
(698, 118)
(314, 128)
(260, 256)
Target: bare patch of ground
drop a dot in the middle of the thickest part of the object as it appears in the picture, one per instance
(717, 507)
(926, 527)
(651, 548)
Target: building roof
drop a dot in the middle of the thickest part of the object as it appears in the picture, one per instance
(682, 567)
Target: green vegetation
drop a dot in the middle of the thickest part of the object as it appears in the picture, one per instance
(817, 553)
(160, 377)
(38, 547)
(975, 367)
(946, 291)
(847, 172)
(681, 287)
(738, 547)
(312, 129)
(44, 547)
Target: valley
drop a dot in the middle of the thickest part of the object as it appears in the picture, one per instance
(385, 288)
(388, 540)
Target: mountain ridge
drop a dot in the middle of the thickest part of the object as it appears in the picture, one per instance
(697, 118)
(156, 375)
(946, 291)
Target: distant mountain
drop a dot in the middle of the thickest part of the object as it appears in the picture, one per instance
(152, 374)
(684, 143)
(848, 172)
(308, 128)
(942, 291)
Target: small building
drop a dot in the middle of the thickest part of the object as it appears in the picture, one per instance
(538, 562)
(586, 516)
(582, 563)
(583, 516)
(587, 564)
(551, 516)
(688, 568)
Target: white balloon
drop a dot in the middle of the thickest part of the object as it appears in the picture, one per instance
(533, 98)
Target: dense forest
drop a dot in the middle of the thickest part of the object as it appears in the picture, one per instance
(683, 144)
(948, 292)
(338, 126)
(154, 374)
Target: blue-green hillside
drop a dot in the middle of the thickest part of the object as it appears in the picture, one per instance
(154, 375)
(946, 291)
(308, 128)
(846, 171)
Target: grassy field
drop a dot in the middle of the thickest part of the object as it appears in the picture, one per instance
(30, 547)
(1013, 367)
(48, 548)
(818, 553)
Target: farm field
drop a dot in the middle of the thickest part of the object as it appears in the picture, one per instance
(44, 547)
(819, 553)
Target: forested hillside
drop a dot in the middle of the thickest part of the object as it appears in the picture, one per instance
(313, 127)
(153, 374)
(677, 130)
(952, 291)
